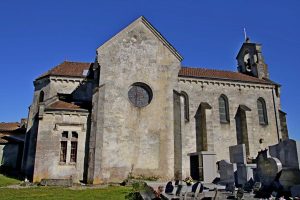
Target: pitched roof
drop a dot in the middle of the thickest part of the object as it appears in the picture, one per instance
(75, 69)
(70, 69)
(11, 137)
(10, 126)
(62, 105)
(14, 129)
(3, 140)
(220, 75)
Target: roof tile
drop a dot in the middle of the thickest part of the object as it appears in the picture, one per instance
(64, 105)
(219, 74)
(11, 126)
(71, 69)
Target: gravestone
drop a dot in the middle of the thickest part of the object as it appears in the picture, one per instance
(237, 154)
(295, 191)
(288, 152)
(205, 166)
(226, 170)
(245, 173)
(289, 177)
(267, 168)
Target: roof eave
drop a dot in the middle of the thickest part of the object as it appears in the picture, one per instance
(67, 109)
(162, 38)
(224, 79)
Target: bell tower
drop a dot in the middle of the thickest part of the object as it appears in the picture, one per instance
(250, 60)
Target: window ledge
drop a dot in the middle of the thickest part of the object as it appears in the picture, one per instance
(263, 124)
(67, 164)
(224, 122)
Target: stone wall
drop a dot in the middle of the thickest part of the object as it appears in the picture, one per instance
(223, 135)
(138, 140)
(47, 160)
(50, 86)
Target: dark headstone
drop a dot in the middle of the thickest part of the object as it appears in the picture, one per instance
(237, 154)
(226, 171)
(267, 168)
(295, 191)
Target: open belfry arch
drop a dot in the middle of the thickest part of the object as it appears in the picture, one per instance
(137, 111)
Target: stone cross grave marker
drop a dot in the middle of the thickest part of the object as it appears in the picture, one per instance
(238, 154)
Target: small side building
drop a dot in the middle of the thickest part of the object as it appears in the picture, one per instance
(12, 135)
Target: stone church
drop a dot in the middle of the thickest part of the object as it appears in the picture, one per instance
(137, 110)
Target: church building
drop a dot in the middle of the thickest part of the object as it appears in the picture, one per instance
(136, 110)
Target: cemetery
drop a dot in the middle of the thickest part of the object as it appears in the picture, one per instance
(273, 174)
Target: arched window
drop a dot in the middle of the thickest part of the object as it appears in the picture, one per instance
(41, 97)
(74, 140)
(223, 109)
(186, 106)
(262, 111)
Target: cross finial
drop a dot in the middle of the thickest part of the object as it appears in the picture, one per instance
(245, 34)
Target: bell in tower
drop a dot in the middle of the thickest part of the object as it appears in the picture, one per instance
(250, 60)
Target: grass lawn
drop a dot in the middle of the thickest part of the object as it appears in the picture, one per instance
(111, 192)
(5, 181)
(45, 193)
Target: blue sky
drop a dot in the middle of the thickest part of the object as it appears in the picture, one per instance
(37, 35)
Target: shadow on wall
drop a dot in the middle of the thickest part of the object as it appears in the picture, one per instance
(10, 159)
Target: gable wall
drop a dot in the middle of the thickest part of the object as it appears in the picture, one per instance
(138, 140)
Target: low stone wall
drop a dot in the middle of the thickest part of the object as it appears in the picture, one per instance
(57, 182)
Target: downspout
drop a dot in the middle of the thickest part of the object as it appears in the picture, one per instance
(275, 111)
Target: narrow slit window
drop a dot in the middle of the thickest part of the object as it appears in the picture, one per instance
(186, 106)
(73, 151)
(64, 135)
(63, 151)
(74, 135)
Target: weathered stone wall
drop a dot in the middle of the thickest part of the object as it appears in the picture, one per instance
(47, 160)
(1, 152)
(135, 139)
(50, 86)
(224, 135)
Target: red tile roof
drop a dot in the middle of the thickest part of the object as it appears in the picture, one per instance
(3, 140)
(10, 129)
(11, 126)
(62, 105)
(10, 137)
(75, 69)
(70, 69)
(219, 74)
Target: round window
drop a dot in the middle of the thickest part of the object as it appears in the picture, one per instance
(140, 94)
